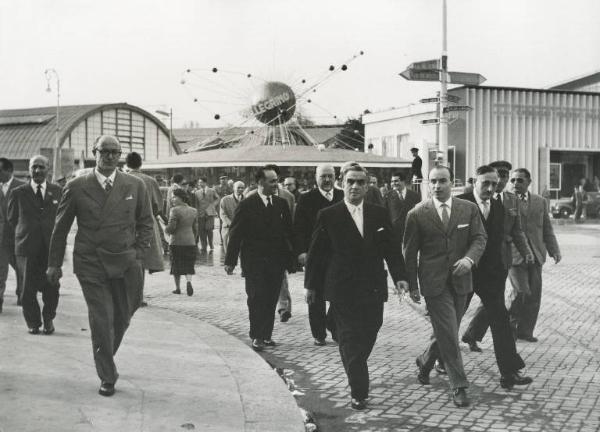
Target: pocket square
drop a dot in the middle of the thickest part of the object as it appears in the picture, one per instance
(381, 229)
(129, 197)
(54, 202)
(462, 226)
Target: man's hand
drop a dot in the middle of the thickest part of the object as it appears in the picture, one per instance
(401, 287)
(229, 269)
(53, 274)
(310, 296)
(529, 259)
(462, 267)
(557, 257)
(302, 258)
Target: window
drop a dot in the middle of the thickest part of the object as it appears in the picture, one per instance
(402, 146)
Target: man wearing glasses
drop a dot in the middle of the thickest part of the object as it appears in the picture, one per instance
(115, 227)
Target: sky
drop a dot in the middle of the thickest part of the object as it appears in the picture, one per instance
(137, 51)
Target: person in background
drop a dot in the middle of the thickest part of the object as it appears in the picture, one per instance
(176, 183)
(182, 227)
(373, 194)
(291, 185)
(579, 199)
(227, 207)
(222, 189)
(206, 205)
(416, 166)
(399, 201)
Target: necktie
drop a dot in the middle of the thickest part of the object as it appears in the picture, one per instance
(269, 204)
(357, 216)
(107, 185)
(485, 209)
(328, 196)
(400, 196)
(445, 216)
(39, 196)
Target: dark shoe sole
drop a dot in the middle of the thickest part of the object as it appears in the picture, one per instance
(176, 292)
(49, 331)
(106, 391)
(421, 376)
(285, 316)
(189, 289)
(34, 331)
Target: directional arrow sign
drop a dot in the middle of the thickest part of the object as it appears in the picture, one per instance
(430, 100)
(452, 98)
(466, 78)
(420, 75)
(457, 108)
(426, 65)
(430, 121)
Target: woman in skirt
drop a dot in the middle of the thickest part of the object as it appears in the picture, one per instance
(183, 228)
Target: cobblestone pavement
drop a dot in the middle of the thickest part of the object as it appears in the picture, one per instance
(565, 365)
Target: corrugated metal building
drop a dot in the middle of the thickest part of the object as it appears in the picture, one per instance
(555, 132)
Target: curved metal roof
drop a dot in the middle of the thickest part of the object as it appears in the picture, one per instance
(24, 131)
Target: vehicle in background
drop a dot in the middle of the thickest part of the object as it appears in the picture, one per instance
(564, 207)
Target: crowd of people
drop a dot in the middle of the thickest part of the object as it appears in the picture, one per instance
(346, 234)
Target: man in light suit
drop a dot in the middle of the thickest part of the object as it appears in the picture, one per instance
(444, 238)
(525, 278)
(115, 227)
(227, 208)
(206, 204)
(32, 211)
(399, 201)
(345, 265)
(7, 232)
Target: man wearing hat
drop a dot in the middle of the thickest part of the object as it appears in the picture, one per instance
(417, 163)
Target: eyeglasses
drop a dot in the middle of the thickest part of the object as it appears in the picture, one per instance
(113, 153)
(517, 180)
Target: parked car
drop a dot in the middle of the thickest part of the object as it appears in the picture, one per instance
(564, 208)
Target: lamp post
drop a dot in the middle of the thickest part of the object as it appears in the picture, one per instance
(56, 153)
(170, 115)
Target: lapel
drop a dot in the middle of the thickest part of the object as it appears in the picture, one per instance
(455, 214)
(116, 195)
(431, 211)
(368, 222)
(94, 190)
(345, 215)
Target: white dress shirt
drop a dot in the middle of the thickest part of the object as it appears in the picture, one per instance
(438, 206)
(34, 186)
(264, 198)
(325, 194)
(356, 211)
(484, 205)
(6, 186)
(402, 193)
(102, 179)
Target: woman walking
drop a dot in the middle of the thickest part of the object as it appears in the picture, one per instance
(182, 227)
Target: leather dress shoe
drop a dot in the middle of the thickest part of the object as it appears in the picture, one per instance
(176, 291)
(358, 404)
(258, 345)
(507, 381)
(34, 330)
(106, 389)
(440, 367)
(189, 289)
(472, 344)
(269, 343)
(1, 302)
(460, 397)
(319, 342)
(143, 303)
(528, 338)
(423, 375)
(285, 316)
(48, 327)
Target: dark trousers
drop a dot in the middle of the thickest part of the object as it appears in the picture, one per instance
(357, 325)
(321, 319)
(206, 225)
(33, 269)
(111, 304)
(7, 257)
(263, 283)
(527, 283)
(490, 289)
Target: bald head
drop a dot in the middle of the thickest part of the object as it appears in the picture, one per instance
(38, 168)
(325, 177)
(107, 150)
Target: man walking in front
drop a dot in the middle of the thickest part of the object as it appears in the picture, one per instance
(261, 231)
(32, 211)
(114, 220)
(345, 266)
(444, 238)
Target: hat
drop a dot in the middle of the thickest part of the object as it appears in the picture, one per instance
(223, 177)
(414, 149)
(501, 164)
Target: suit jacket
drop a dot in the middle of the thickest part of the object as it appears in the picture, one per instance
(344, 266)
(438, 248)
(416, 165)
(227, 208)
(7, 231)
(182, 226)
(113, 229)
(537, 228)
(373, 196)
(399, 208)
(305, 217)
(281, 193)
(511, 223)
(261, 235)
(33, 225)
(206, 202)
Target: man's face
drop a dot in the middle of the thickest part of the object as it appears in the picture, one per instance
(38, 168)
(289, 184)
(503, 177)
(223, 182)
(440, 184)
(373, 181)
(239, 189)
(269, 183)
(108, 152)
(201, 183)
(326, 178)
(520, 182)
(4, 174)
(485, 185)
(355, 186)
(397, 184)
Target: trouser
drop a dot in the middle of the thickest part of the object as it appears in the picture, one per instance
(206, 225)
(225, 236)
(490, 289)
(33, 270)
(527, 283)
(357, 326)
(284, 302)
(263, 284)
(446, 311)
(321, 319)
(6, 258)
(111, 304)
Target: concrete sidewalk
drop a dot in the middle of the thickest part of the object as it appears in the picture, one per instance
(176, 373)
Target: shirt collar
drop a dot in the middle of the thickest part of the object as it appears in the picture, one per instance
(352, 207)
(102, 178)
(438, 204)
(34, 186)
(324, 193)
(8, 182)
(263, 197)
(525, 196)
(499, 195)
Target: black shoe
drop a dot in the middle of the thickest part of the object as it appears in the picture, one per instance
(269, 343)
(460, 397)
(34, 330)
(528, 338)
(440, 367)
(472, 344)
(507, 381)
(106, 389)
(423, 375)
(319, 342)
(143, 304)
(285, 316)
(1, 302)
(48, 327)
(19, 302)
(189, 289)
(358, 404)
(258, 345)
(177, 291)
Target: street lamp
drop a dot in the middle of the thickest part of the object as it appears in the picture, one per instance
(55, 157)
(170, 115)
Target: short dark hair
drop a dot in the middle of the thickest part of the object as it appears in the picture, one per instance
(524, 171)
(485, 169)
(203, 179)
(177, 178)
(414, 149)
(501, 164)
(180, 193)
(133, 160)
(400, 175)
(352, 166)
(273, 167)
(7, 165)
(260, 174)
(447, 169)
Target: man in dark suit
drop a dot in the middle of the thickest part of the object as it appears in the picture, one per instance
(345, 265)
(7, 233)
(114, 230)
(417, 164)
(261, 231)
(305, 219)
(489, 277)
(32, 211)
(444, 238)
(399, 201)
